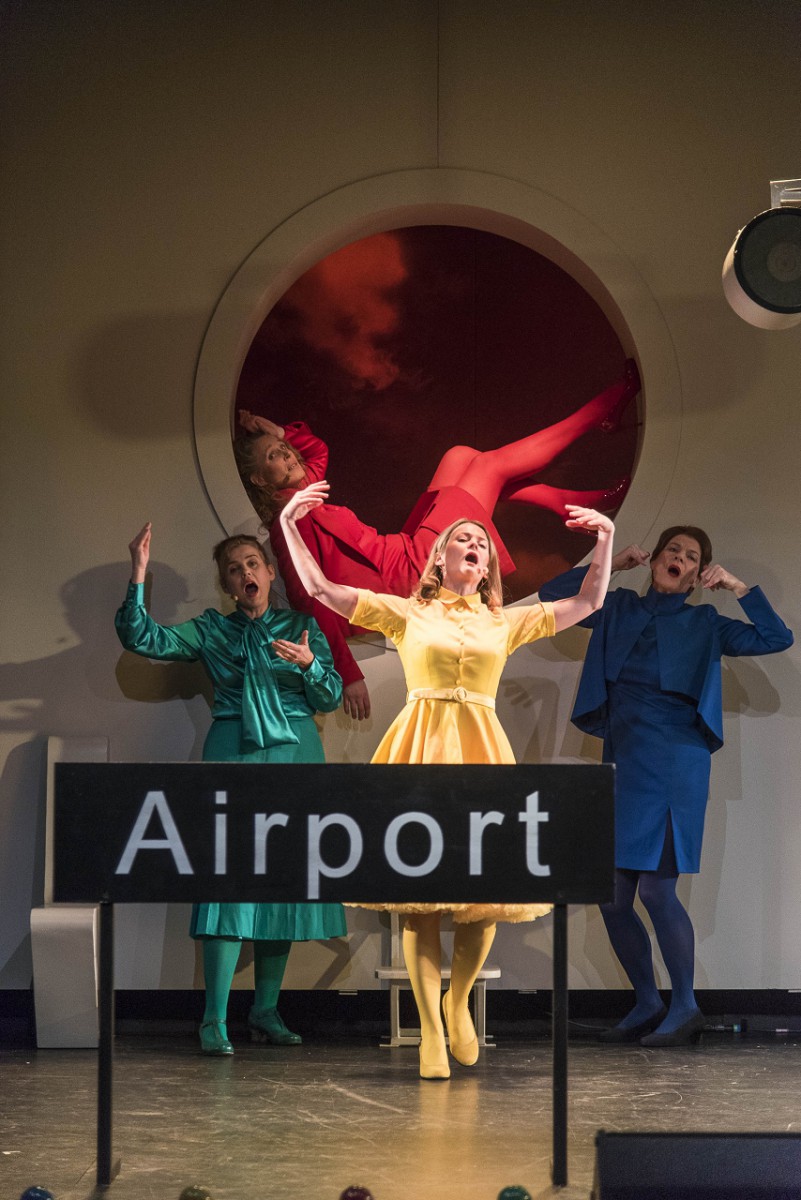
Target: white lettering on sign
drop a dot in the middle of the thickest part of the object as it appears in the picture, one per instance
(316, 867)
(155, 802)
(155, 808)
(220, 836)
(532, 818)
(391, 844)
(478, 823)
(262, 825)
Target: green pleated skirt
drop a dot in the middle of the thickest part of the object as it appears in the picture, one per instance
(266, 922)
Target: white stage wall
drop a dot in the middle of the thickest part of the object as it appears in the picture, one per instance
(150, 151)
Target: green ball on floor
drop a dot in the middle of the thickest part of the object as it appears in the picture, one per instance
(515, 1192)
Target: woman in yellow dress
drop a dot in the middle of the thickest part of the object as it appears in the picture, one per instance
(453, 637)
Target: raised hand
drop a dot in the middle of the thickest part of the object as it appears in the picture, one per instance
(588, 520)
(590, 595)
(140, 553)
(298, 653)
(337, 596)
(716, 577)
(253, 424)
(305, 500)
(630, 556)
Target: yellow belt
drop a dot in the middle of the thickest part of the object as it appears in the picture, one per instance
(459, 694)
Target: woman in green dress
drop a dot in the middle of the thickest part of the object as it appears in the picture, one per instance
(271, 670)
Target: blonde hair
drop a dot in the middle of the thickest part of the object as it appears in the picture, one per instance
(261, 495)
(490, 587)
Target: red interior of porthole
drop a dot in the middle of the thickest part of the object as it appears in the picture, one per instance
(405, 343)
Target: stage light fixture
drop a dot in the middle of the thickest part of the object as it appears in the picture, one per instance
(762, 270)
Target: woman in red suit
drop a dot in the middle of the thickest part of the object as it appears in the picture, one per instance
(275, 461)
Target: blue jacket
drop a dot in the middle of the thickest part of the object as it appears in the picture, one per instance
(691, 641)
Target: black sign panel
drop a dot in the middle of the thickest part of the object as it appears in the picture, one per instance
(360, 833)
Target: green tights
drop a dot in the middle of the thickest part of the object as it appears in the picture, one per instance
(220, 956)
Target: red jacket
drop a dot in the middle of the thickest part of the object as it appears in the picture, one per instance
(353, 553)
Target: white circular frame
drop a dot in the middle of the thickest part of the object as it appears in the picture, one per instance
(475, 200)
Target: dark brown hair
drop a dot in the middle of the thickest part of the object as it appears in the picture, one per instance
(700, 536)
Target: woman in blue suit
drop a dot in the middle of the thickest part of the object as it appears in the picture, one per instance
(651, 688)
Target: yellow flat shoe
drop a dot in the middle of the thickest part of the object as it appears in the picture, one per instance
(438, 1069)
(434, 1070)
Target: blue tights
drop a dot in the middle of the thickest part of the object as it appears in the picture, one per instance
(631, 944)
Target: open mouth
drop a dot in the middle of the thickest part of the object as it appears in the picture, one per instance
(251, 589)
(674, 571)
(471, 558)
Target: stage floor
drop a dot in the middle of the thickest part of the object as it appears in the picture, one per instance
(307, 1121)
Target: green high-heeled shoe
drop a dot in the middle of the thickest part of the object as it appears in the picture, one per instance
(214, 1038)
(267, 1026)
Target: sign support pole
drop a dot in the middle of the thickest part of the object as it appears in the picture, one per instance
(559, 1035)
(106, 1171)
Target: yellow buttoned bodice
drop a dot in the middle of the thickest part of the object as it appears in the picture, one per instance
(456, 647)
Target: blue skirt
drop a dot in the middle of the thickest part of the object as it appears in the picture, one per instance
(266, 922)
(662, 764)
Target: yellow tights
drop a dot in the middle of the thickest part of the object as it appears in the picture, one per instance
(422, 951)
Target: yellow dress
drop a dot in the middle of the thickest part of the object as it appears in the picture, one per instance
(456, 648)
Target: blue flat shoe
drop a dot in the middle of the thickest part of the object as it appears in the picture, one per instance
(689, 1031)
(634, 1032)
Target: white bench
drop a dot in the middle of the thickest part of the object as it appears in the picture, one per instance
(398, 978)
(64, 937)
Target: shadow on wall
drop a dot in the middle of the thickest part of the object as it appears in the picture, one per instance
(130, 374)
(63, 692)
(80, 689)
(538, 699)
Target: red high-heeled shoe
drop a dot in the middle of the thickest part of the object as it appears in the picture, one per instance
(614, 497)
(630, 387)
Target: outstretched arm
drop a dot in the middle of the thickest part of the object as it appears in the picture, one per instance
(591, 595)
(337, 596)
